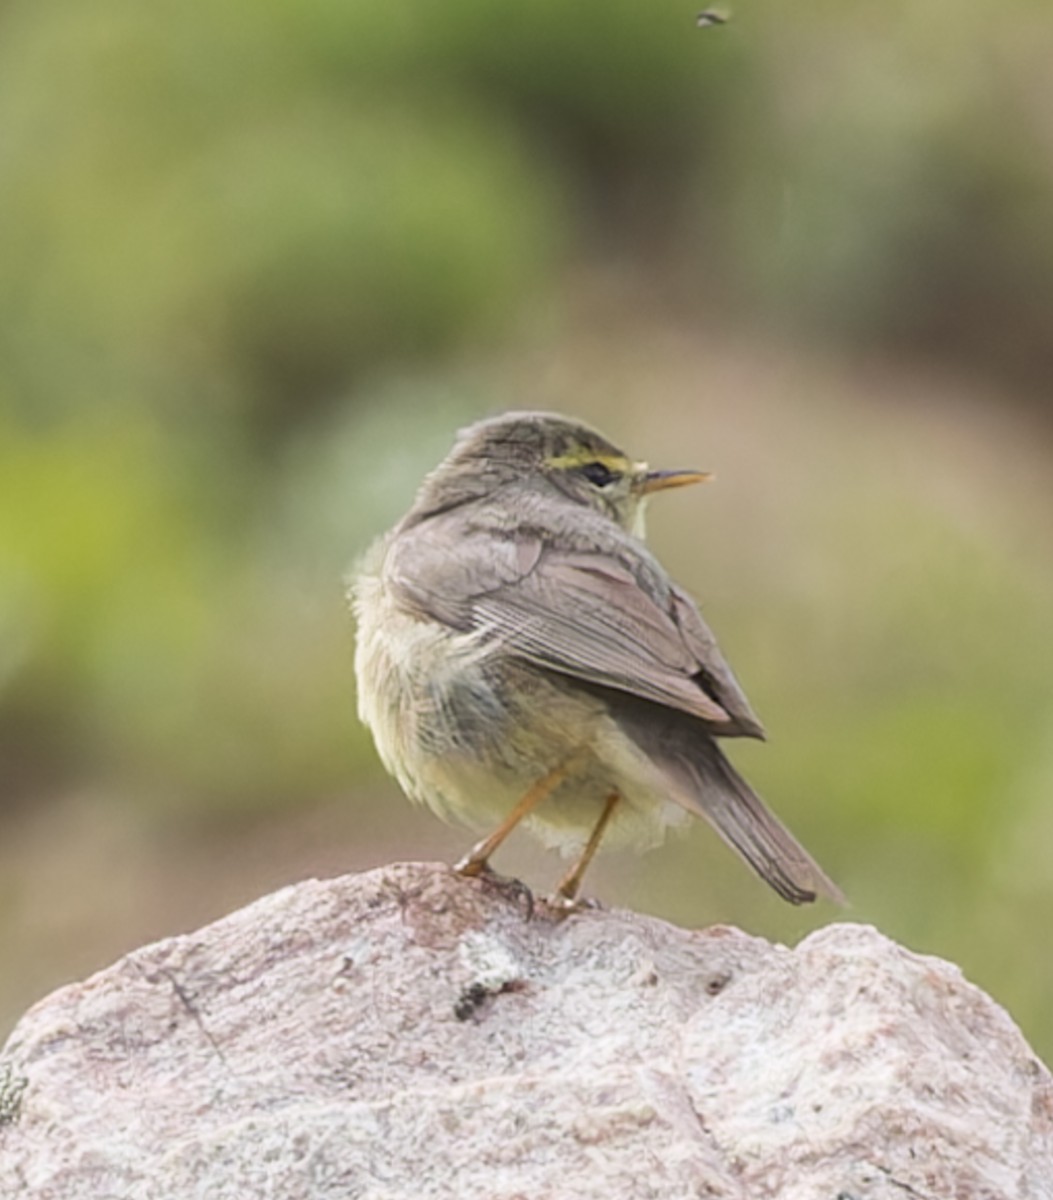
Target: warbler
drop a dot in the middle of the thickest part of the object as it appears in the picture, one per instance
(522, 657)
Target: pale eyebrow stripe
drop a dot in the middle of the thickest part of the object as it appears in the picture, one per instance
(616, 462)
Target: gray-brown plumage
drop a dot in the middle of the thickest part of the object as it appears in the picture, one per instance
(522, 655)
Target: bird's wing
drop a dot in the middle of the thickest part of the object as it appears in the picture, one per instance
(583, 615)
(716, 676)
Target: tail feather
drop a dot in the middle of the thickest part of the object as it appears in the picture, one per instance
(746, 823)
(703, 781)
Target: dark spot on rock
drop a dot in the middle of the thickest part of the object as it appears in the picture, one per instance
(11, 1088)
(470, 1001)
(716, 983)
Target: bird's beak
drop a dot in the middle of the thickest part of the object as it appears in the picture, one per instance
(658, 481)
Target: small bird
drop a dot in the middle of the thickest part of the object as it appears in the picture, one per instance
(522, 657)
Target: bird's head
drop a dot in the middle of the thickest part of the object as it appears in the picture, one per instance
(553, 452)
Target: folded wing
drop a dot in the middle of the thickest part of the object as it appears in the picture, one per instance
(585, 615)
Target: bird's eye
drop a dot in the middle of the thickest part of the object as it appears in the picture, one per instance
(599, 474)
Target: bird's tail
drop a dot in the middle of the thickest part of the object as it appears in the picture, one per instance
(705, 783)
(746, 823)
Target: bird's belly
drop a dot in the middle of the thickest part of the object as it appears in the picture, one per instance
(466, 730)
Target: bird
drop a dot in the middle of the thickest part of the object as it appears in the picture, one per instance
(522, 658)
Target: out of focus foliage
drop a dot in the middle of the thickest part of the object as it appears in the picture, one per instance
(257, 260)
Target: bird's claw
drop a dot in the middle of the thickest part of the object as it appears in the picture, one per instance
(515, 891)
(559, 905)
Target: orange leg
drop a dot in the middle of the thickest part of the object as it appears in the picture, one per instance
(570, 884)
(475, 861)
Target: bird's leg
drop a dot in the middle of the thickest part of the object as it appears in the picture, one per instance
(567, 891)
(475, 862)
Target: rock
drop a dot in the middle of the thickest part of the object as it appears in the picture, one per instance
(410, 1034)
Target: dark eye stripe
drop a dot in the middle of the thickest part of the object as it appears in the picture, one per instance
(598, 473)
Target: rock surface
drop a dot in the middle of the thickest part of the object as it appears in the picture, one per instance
(409, 1034)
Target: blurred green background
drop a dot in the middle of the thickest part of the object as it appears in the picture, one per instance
(259, 261)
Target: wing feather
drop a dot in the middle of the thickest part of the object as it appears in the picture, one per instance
(585, 615)
(593, 622)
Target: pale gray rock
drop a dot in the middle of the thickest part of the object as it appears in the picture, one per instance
(408, 1035)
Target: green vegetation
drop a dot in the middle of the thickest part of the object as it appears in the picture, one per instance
(257, 261)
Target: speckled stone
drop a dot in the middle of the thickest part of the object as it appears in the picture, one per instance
(407, 1034)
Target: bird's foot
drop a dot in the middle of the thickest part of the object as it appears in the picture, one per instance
(471, 865)
(515, 891)
(559, 905)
